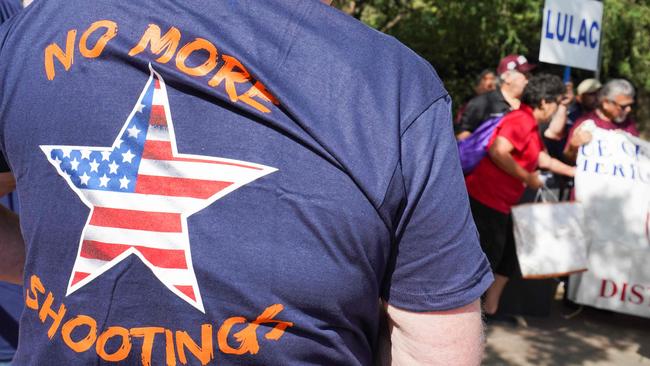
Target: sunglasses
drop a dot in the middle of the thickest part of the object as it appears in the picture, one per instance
(623, 106)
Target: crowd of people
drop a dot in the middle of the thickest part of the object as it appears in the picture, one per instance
(540, 130)
(366, 226)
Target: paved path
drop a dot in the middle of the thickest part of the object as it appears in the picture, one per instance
(593, 337)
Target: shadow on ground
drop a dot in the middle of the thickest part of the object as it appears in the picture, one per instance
(592, 337)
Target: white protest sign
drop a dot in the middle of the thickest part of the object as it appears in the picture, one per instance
(613, 184)
(571, 33)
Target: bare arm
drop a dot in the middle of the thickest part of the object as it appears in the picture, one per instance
(579, 138)
(463, 135)
(453, 337)
(545, 161)
(12, 247)
(501, 154)
(7, 183)
(557, 127)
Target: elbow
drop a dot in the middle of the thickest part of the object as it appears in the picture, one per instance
(552, 135)
(497, 154)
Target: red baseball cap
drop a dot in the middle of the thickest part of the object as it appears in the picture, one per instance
(515, 62)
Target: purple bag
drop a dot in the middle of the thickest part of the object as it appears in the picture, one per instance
(474, 148)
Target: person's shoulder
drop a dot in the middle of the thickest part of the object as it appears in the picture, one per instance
(517, 114)
(11, 17)
(8, 8)
(589, 116)
(481, 100)
(521, 118)
(493, 96)
(629, 125)
(586, 116)
(372, 60)
(367, 47)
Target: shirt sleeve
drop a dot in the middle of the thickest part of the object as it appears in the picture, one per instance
(516, 130)
(436, 262)
(631, 128)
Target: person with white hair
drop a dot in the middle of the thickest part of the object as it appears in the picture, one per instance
(615, 102)
(513, 72)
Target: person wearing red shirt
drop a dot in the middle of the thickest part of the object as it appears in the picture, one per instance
(515, 152)
(616, 100)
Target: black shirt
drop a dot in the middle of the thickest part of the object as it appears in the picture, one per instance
(3, 165)
(481, 108)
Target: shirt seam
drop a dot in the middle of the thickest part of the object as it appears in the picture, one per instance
(398, 163)
(474, 280)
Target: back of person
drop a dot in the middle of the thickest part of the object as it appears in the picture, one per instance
(189, 171)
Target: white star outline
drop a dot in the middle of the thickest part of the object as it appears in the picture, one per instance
(261, 171)
(113, 167)
(133, 131)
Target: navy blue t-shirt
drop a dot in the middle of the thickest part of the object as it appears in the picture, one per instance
(226, 182)
(8, 8)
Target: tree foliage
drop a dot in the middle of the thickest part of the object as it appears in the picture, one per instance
(462, 38)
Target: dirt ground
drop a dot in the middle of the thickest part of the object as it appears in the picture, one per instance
(590, 337)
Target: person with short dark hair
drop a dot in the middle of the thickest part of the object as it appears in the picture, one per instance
(570, 110)
(485, 83)
(515, 153)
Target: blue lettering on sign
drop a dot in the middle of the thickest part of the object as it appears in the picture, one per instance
(560, 35)
(593, 41)
(582, 36)
(572, 39)
(549, 35)
(624, 170)
(585, 35)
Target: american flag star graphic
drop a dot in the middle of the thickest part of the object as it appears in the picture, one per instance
(140, 191)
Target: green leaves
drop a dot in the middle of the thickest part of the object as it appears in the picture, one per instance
(461, 38)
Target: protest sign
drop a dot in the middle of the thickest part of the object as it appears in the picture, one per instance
(613, 184)
(550, 239)
(571, 33)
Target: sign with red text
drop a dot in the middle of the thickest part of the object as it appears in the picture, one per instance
(613, 184)
(571, 33)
